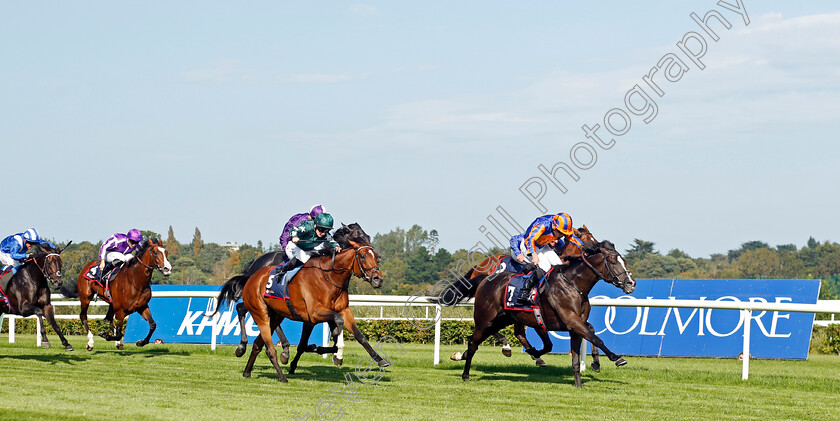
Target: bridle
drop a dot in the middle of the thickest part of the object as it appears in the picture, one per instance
(57, 273)
(364, 274)
(615, 278)
(139, 259)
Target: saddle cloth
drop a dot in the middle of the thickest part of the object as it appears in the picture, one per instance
(279, 290)
(93, 275)
(514, 288)
(5, 277)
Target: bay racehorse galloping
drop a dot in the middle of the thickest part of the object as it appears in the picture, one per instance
(318, 294)
(130, 291)
(564, 299)
(466, 289)
(231, 291)
(29, 293)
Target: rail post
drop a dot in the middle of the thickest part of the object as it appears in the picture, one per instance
(745, 369)
(437, 333)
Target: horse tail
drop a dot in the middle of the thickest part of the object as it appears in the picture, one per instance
(231, 291)
(70, 290)
(459, 289)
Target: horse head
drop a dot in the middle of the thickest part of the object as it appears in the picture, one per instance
(48, 261)
(615, 266)
(157, 256)
(367, 258)
(352, 232)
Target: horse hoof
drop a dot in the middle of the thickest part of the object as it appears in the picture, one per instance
(240, 351)
(338, 361)
(89, 347)
(284, 357)
(506, 351)
(596, 368)
(246, 375)
(120, 347)
(141, 343)
(69, 348)
(465, 378)
(540, 363)
(620, 362)
(457, 356)
(384, 363)
(284, 380)
(45, 345)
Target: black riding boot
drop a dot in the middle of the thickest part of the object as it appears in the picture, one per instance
(525, 295)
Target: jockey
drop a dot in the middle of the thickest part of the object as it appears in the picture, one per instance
(308, 237)
(539, 241)
(116, 250)
(14, 247)
(295, 220)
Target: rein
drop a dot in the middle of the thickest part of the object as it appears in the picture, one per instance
(616, 279)
(48, 277)
(341, 270)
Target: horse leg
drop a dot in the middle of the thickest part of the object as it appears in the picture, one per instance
(255, 350)
(338, 343)
(84, 318)
(350, 324)
(243, 340)
(587, 332)
(506, 350)
(45, 343)
(283, 356)
(303, 346)
(49, 313)
(477, 338)
(265, 333)
(147, 314)
(575, 341)
(519, 331)
(596, 363)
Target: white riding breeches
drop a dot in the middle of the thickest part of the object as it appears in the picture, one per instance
(548, 257)
(6, 259)
(116, 258)
(295, 252)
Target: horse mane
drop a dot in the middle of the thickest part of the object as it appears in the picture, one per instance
(142, 247)
(44, 249)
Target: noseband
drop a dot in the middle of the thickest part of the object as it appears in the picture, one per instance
(158, 267)
(362, 268)
(364, 271)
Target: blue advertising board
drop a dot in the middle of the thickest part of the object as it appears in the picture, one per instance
(696, 332)
(182, 320)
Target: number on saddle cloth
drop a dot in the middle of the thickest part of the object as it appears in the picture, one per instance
(275, 289)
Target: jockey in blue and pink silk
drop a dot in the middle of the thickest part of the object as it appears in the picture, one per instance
(117, 249)
(295, 220)
(14, 247)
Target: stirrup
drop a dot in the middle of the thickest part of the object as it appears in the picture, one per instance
(525, 297)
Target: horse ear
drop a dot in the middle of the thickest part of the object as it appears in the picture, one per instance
(354, 244)
(343, 226)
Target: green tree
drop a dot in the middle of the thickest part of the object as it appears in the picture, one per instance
(639, 249)
(171, 244)
(197, 243)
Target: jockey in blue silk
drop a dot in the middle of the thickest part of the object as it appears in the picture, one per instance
(539, 242)
(14, 247)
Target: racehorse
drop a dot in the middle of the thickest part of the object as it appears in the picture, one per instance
(564, 300)
(29, 293)
(232, 289)
(493, 264)
(130, 291)
(318, 294)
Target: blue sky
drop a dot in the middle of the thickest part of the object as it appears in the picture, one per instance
(232, 117)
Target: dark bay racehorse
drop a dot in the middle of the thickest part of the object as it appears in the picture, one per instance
(29, 292)
(564, 299)
(319, 294)
(492, 265)
(232, 289)
(130, 291)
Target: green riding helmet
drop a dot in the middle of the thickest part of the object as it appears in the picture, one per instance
(324, 221)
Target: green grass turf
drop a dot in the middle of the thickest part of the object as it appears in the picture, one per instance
(191, 382)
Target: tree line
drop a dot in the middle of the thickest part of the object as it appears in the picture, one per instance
(412, 261)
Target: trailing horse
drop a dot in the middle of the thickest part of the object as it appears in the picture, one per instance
(29, 293)
(563, 298)
(130, 291)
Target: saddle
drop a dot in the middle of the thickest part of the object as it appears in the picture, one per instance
(94, 275)
(509, 264)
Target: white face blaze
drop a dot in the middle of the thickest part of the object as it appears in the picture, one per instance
(167, 267)
(623, 266)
